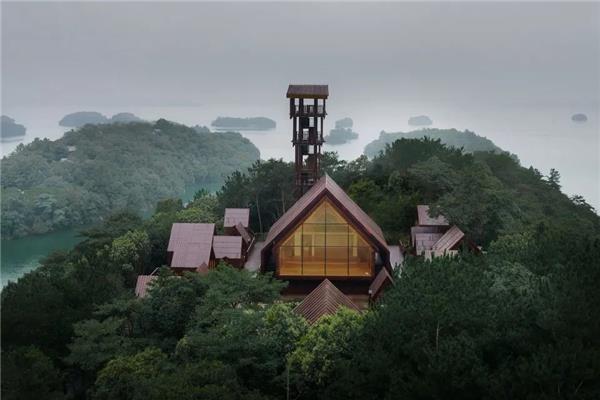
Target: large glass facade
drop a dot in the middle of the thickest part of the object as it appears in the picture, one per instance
(325, 245)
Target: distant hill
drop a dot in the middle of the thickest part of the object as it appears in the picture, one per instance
(340, 136)
(468, 140)
(342, 133)
(125, 117)
(249, 124)
(10, 129)
(99, 169)
(81, 118)
(420, 120)
(579, 118)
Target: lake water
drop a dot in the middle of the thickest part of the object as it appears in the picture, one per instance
(542, 137)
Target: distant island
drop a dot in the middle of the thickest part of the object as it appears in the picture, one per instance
(469, 141)
(96, 170)
(342, 133)
(420, 120)
(579, 118)
(344, 123)
(244, 124)
(10, 129)
(81, 118)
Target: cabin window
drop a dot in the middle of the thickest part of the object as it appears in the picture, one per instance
(325, 244)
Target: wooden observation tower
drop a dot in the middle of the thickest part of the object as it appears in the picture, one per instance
(307, 109)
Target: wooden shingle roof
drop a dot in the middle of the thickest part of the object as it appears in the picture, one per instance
(233, 216)
(141, 286)
(191, 244)
(227, 247)
(308, 91)
(325, 299)
(381, 281)
(450, 239)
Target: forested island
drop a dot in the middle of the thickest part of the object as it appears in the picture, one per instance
(98, 169)
(241, 124)
(519, 321)
(342, 133)
(81, 118)
(468, 140)
(10, 130)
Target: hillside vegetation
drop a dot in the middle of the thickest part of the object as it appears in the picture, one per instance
(468, 140)
(99, 169)
(517, 322)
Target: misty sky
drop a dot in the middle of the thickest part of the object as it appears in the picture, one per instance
(165, 54)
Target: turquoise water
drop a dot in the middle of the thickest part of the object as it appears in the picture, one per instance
(20, 256)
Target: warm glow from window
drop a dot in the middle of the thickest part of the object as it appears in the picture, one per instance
(325, 245)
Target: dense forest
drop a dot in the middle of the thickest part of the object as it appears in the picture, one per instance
(519, 321)
(98, 169)
(468, 140)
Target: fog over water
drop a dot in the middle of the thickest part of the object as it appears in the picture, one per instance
(514, 72)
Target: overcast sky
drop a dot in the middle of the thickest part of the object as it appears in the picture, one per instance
(165, 54)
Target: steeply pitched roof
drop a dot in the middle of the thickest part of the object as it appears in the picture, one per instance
(141, 286)
(382, 279)
(227, 247)
(191, 244)
(233, 216)
(326, 186)
(450, 239)
(325, 299)
(308, 91)
(246, 236)
(424, 219)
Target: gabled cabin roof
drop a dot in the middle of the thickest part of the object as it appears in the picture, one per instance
(325, 299)
(308, 91)
(450, 239)
(326, 186)
(141, 286)
(227, 247)
(381, 281)
(191, 244)
(425, 219)
(233, 216)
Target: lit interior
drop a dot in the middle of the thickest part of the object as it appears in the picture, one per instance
(325, 245)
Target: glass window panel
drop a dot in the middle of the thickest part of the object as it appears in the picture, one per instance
(356, 240)
(337, 235)
(313, 263)
(295, 239)
(337, 261)
(313, 235)
(290, 260)
(317, 216)
(333, 216)
(360, 261)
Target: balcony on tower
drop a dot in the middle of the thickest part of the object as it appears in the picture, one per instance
(307, 100)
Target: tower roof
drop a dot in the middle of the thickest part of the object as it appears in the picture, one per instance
(325, 299)
(308, 91)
